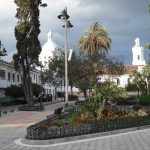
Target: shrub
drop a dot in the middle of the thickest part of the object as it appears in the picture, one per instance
(125, 101)
(144, 100)
(111, 91)
(14, 102)
(131, 87)
(113, 113)
(37, 89)
(60, 122)
(14, 91)
(72, 97)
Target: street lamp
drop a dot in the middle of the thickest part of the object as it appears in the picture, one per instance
(64, 16)
(3, 52)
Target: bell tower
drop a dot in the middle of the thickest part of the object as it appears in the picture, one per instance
(138, 53)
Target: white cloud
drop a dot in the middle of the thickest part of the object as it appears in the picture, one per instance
(124, 19)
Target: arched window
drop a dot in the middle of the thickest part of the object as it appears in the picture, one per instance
(138, 57)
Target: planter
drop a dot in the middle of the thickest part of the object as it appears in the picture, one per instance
(34, 132)
(30, 108)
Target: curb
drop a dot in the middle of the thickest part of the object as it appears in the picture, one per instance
(82, 137)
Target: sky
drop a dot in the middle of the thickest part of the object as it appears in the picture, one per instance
(124, 20)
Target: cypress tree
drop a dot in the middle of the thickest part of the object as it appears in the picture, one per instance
(28, 45)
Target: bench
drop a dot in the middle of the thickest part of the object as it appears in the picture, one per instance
(58, 111)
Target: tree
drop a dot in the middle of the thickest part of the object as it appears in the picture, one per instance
(28, 46)
(148, 45)
(139, 80)
(54, 75)
(37, 89)
(95, 41)
(146, 76)
(112, 66)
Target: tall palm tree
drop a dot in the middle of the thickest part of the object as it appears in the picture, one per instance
(95, 41)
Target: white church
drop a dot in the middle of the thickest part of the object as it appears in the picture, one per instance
(8, 75)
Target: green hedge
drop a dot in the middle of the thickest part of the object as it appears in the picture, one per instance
(144, 100)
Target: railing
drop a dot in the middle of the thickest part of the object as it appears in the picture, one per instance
(34, 132)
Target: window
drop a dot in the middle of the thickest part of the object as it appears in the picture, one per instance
(18, 79)
(8, 77)
(138, 57)
(13, 77)
(36, 78)
(118, 81)
(49, 91)
(2, 74)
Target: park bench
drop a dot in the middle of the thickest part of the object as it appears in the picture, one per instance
(58, 111)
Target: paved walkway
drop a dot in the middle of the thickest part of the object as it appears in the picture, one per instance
(13, 127)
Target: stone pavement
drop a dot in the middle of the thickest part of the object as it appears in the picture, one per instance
(13, 127)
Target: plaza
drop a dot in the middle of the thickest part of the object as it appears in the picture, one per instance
(85, 88)
(13, 129)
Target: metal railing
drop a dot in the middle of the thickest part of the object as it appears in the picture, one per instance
(37, 133)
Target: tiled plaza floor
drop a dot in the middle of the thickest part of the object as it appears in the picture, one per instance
(13, 126)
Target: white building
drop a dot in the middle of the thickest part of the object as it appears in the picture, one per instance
(47, 51)
(8, 75)
(138, 63)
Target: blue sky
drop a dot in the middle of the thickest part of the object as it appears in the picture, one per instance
(124, 19)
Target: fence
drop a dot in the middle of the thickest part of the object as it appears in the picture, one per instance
(34, 132)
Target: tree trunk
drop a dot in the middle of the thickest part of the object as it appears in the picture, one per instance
(27, 86)
(71, 90)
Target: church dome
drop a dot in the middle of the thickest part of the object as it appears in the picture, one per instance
(47, 50)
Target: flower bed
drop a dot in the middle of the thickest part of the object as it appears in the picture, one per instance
(58, 126)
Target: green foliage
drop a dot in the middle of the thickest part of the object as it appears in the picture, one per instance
(28, 45)
(142, 80)
(83, 86)
(131, 87)
(14, 91)
(56, 73)
(111, 91)
(145, 100)
(37, 89)
(95, 41)
(95, 105)
(60, 122)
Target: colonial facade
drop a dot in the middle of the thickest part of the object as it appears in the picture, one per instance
(8, 77)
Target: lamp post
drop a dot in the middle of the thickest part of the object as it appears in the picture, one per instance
(3, 52)
(64, 16)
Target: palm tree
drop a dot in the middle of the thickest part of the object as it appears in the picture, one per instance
(95, 41)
